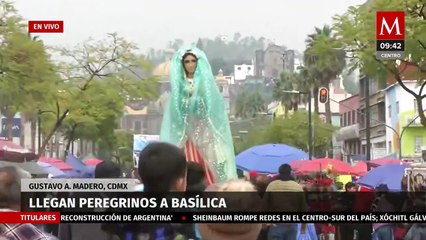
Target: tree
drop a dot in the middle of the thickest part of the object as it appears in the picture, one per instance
(217, 64)
(118, 146)
(248, 104)
(290, 82)
(110, 65)
(292, 131)
(324, 60)
(94, 115)
(27, 75)
(357, 35)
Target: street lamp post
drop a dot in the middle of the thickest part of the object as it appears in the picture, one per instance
(367, 118)
(310, 138)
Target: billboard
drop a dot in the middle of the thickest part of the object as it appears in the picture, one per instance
(16, 128)
(139, 143)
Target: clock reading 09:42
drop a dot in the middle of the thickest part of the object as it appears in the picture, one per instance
(390, 45)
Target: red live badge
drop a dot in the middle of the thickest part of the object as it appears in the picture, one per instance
(45, 26)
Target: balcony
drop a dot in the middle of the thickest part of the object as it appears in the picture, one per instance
(378, 130)
(348, 132)
(411, 120)
(375, 98)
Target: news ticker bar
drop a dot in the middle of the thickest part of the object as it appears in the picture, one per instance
(56, 217)
(78, 185)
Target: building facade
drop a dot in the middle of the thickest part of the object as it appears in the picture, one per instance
(272, 61)
(377, 117)
(241, 72)
(348, 134)
(402, 117)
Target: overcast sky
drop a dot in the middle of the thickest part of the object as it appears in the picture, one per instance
(152, 23)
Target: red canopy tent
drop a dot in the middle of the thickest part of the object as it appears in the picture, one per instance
(383, 161)
(10, 151)
(320, 164)
(92, 162)
(360, 168)
(297, 163)
(61, 165)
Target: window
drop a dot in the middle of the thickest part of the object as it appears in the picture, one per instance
(341, 120)
(353, 117)
(344, 119)
(145, 126)
(361, 120)
(397, 108)
(349, 118)
(390, 111)
(418, 142)
(137, 127)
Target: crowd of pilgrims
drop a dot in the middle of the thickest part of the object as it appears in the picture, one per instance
(164, 168)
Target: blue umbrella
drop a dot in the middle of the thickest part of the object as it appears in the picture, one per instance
(139, 144)
(390, 175)
(141, 141)
(268, 158)
(77, 165)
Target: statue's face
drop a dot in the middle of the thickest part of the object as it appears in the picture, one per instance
(190, 64)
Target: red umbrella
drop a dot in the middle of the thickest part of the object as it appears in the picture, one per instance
(320, 164)
(359, 168)
(297, 163)
(92, 162)
(61, 165)
(384, 161)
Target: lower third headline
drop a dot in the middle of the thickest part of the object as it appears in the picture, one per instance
(191, 217)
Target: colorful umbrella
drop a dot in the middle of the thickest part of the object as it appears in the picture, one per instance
(391, 175)
(268, 158)
(384, 161)
(321, 164)
(92, 162)
(54, 171)
(61, 165)
(360, 168)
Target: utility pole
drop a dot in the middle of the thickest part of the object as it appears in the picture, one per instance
(310, 138)
(367, 117)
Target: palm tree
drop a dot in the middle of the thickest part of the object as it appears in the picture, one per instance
(289, 82)
(324, 61)
(248, 103)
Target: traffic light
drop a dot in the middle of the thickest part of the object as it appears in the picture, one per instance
(323, 95)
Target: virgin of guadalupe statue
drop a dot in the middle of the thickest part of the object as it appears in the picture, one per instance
(195, 117)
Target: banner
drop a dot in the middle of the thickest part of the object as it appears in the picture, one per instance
(191, 217)
(16, 128)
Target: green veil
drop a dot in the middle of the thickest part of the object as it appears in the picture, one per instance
(201, 118)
